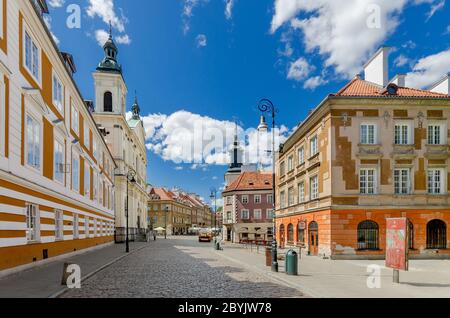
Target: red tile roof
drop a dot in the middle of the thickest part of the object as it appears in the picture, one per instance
(248, 181)
(360, 88)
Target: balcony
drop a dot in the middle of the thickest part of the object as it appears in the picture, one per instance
(437, 152)
(404, 152)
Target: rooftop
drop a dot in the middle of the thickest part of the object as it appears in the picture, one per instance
(248, 181)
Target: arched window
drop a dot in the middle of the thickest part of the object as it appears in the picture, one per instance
(290, 234)
(107, 102)
(301, 234)
(436, 235)
(368, 236)
(282, 234)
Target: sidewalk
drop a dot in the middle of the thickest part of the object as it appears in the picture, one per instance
(348, 279)
(45, 281)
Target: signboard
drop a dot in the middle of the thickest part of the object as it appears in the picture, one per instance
(397, 243)
(302, 225)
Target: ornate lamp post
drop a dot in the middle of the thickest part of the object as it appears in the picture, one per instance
(266, 106)
(130, 178)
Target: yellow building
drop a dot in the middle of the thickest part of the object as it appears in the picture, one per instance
(56, 172)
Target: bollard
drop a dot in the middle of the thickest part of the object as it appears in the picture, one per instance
(268, 256)
(291, 263)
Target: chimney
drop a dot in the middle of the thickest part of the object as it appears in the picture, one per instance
(399, 80)
(377, 69)
(442, 86)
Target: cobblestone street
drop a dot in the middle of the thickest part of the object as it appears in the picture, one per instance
(180, 268)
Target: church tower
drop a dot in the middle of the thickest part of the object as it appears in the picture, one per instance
(110, 88)
(235, 168)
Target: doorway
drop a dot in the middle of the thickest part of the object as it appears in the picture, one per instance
(313, 239)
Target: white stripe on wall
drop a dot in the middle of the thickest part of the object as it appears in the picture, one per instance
(13, 226)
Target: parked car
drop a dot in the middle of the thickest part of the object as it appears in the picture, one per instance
(205, 236)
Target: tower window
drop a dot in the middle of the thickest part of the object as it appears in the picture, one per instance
(107, 102)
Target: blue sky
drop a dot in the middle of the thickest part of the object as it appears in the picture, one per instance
(214, 60)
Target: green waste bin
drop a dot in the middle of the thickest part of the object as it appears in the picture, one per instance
(291, 263)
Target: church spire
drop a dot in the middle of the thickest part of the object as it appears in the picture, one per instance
(135, 109)
(109, 63)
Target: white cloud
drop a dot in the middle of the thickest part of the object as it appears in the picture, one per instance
(201, 40)
(201, 141)
(123, 39)
(56, 3)
(104, 9)
(435, 8)
(179, 168)
(299, 70)
(188, 12)
(101, 36)
(48, 22)
(401, 60)
(314, 82)
(229, 4)
(429, 70)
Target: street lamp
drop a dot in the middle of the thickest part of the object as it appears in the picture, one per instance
(165, 221)
(130, 178)
(266, 106)
(213, 196)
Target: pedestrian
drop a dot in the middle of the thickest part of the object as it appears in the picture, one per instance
(154, 236)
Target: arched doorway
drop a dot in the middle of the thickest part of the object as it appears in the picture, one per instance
(290, 234)
(282, 236)
(313, 238)
(436, 235)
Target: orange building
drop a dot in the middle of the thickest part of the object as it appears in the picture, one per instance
(372, 151)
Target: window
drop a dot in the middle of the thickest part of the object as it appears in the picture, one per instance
(436, 134)
(301, 235)
(270, 213)
(245, 199)
(402, 134)
(435, 181)
(86, 135)
(95, 186)
(282, 168)
(57, 93)
(291, 200)
(59, 225)
(245, 214)
(402, 181)
(314, 146)
(229, 217)
(86, 226)
(290, 163)
(32, 223)
(75, 172)
(257, 214)
(59, 162)
(33, 142)
(314, 188)
(76, 233)
(257, 199)
(290, 234)
(368, 234)
(31, 56)
(270, 198)
(107, 102)
(75, 120)
(229, 200)
(367, 181)
(282, 199)
(368, 133)
(436, 235)
(301, 156)
(301, 192)
(94, 149)
(87, 180)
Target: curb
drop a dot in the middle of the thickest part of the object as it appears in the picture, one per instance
(306, 293)
(66, 289)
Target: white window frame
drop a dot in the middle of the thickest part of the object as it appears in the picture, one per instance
(59, 225)
(432, 182)
(270, 213)
(229, 200)
(290, 163)
(291, 196)
(314, 187)
(399, 133)
(86, 136)
(1, 19)
(247, 212)
(368, 139)
(95, 185)
(94, 147)
(34, 44)
(364, 184)
(301, 155)
(75, 157)
(282, 199)
(87, 180)
(399, 181)
(443, 134)
(314, 145)
(32, 214)
(59, 93)
(34, 135)
(270, 198)
(2, 108)
(245, 199)
(282, 168)
(59, 169)
(257, 214)
(301, 192)
(75, 119)
(257, 199)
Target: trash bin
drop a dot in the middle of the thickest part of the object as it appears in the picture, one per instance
(291, 263)
(268, 256)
